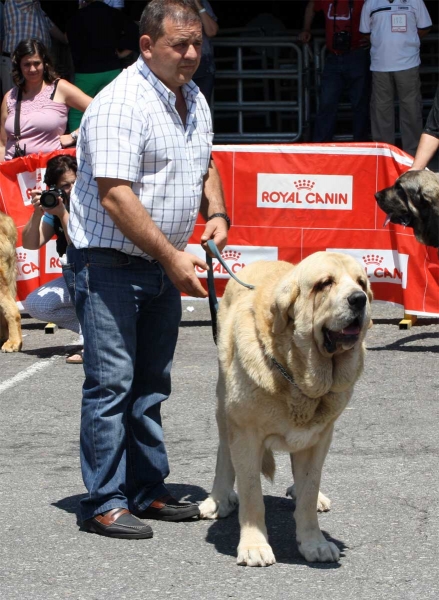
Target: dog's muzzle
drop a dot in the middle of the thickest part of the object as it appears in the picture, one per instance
(349, 335)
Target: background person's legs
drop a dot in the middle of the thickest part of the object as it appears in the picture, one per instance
(358, 83)
(330, 91)
(382, 107)
(408, 86)
(52, 303)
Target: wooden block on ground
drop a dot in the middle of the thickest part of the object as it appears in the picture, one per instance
(50, 328)
(408, 321)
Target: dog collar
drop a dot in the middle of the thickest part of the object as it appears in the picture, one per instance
(283, 372)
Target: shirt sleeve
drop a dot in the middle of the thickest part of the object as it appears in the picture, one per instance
(49, 219)
(422, 16)
(116, 138)
(432, 124)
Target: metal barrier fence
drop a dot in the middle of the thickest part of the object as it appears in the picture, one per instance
(267, 88)
(258, 92)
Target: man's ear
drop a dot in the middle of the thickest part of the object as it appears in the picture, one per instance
(145, 44)
(285, 295)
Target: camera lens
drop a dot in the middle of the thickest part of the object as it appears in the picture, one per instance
(49, 199)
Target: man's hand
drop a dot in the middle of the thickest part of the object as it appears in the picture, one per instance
(215, 230)
(304, 36)
(180, 270)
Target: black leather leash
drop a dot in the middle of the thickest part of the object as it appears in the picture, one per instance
(213, 300)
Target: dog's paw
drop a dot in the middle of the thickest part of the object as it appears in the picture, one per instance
(9, 346)
(213, 509)
(320, 552)
(323, 503)
(255, 556)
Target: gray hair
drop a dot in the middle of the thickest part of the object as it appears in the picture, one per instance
(156, 11)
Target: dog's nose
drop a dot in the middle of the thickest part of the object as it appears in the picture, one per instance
(357, 300)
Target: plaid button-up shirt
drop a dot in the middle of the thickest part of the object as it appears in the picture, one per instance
(25, 19)
(132, 131)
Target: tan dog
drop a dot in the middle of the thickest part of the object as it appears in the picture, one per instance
(290, 352)
(413, 201)
(10, 320)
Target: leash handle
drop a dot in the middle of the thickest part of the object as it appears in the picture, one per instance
(213, 300)
(213, 248)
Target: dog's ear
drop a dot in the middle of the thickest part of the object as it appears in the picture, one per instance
(285, 295)
(430, 195)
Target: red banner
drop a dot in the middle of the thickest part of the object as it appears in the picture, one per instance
(285, 202)
(17, 178)
(288, 201)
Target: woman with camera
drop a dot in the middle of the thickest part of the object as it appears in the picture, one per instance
(51, 302)
(34, 113)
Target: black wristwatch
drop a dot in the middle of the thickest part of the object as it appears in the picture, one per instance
(223, 216)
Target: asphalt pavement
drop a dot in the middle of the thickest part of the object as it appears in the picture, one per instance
(381, 475)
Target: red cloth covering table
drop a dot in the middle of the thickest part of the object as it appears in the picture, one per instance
(285, 202)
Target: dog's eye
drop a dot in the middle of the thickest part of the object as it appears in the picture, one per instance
(325, 284)
(362, 283)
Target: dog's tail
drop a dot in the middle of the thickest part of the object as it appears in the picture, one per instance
(268, 465)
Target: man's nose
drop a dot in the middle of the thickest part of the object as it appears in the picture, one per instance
(192, 52)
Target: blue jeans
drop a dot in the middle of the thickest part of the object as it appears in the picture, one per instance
(351, 71)
(129, 313)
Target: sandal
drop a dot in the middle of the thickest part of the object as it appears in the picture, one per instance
(76, 358)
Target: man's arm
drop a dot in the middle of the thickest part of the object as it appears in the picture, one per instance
(423, 32)
(131, 218)
(305, 34)
(212, 202)
(427, 147)
(429, 142)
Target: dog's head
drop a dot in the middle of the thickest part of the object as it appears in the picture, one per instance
(326, 299)
(413, 201)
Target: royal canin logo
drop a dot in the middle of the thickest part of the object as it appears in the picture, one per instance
(236, 257)
(321, 192)
(28, 180)
(27, 264)
(381, 266)
(52, 263)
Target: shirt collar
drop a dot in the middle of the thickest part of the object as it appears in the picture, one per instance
(189, 90)
(25, 3)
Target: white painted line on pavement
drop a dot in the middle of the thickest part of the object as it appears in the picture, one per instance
(43, 364)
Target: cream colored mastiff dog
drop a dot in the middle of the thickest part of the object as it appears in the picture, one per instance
(290, 352)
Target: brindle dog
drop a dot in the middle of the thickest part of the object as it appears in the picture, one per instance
(413, 201)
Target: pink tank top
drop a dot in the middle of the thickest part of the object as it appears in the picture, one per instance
(42, 121)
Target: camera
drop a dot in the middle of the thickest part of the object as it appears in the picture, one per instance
(341, 41)
(50, 198)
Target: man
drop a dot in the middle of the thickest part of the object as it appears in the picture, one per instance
(346, 66)
(429, 142)
(143, 167)
(394, 28)
(24, 19)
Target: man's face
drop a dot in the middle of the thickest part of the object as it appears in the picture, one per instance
(174, 57)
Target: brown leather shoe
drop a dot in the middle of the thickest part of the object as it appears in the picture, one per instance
(119, 523)
(168, 508)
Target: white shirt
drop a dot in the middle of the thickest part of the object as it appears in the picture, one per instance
(393, 29)
(132, 131)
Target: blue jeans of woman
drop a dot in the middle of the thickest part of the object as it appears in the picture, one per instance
(129, 313)
(344, 71)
